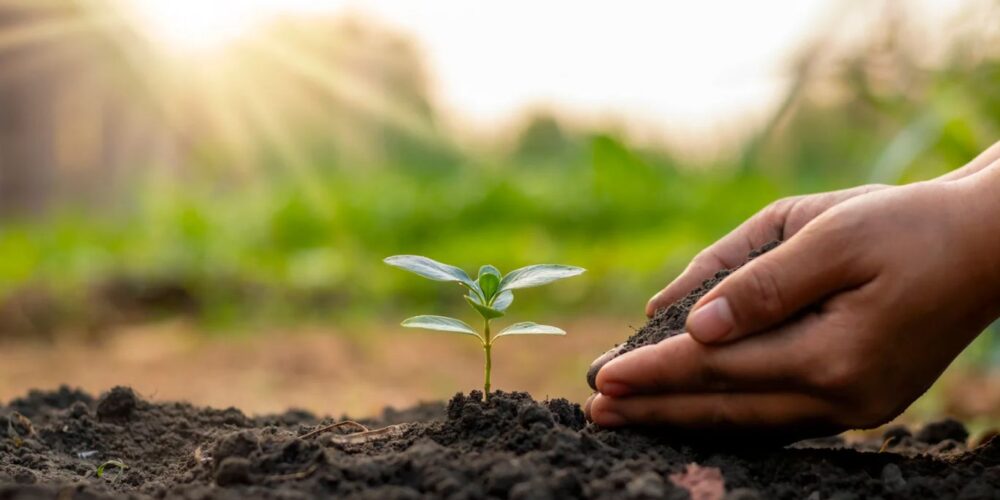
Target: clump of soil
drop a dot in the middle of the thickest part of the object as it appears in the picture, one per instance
(668, 321)
(510, 446)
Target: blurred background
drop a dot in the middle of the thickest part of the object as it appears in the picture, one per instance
(196, 197)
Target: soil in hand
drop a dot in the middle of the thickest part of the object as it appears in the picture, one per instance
(668, 321)
(51, 444)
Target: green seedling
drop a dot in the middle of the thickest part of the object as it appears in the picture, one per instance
(112, 463)
(490, 294)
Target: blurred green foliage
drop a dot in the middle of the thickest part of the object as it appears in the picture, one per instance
(286, 244)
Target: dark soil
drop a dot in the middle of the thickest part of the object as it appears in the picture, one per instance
(51, 444)
(668, 321)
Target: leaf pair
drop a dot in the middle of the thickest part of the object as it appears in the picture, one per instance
(446, 324)
(491, 293)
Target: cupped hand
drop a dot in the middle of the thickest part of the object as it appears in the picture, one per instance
(778, 221)
(872, 295)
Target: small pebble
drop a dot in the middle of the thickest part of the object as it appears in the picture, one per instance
(233, 470)
(892, 478)
(935, 432)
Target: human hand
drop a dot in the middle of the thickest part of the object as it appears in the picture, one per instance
(842, 326)
(778, 221)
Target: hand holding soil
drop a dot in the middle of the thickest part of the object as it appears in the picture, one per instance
(873, 293)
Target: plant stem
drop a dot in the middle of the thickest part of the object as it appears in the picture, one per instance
(487, 346)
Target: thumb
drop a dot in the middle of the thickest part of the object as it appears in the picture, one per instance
(773, 287)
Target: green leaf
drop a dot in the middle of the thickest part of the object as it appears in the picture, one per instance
(488, 283)
(536, 275)
(430, 268)
(477, 292)
(440, 323)
(487, 312)
(529, 328)
(503, 300)
(488, 269)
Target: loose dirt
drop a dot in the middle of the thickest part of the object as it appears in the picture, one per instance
(668, 321)
(51, 444)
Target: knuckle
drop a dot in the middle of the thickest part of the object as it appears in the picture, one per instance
(780, 207)
(843, 225)
(763, 291)
(704, 259)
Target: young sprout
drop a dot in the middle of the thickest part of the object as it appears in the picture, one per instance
(112, 463)
(490, 294)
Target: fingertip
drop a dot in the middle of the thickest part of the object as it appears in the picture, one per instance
(586, 406)
(608, 381)
(602, 412)
(654, 303)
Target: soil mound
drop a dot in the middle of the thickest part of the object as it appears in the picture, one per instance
(52, 443)
(668, 321)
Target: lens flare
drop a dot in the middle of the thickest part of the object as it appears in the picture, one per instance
(194, 26)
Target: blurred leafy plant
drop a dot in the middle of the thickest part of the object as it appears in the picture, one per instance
(490, 294)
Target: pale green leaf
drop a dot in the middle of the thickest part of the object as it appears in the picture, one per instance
(503, 300)
(530, 328)
(536, 275)
(440, 323)
(430, 268)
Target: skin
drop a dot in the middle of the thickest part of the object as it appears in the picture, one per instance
(873, 294)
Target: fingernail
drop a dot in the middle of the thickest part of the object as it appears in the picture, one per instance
(615, 389)
(586, 406)
(712, 321)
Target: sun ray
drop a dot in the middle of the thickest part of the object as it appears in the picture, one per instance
(346, 89)
(302, 167)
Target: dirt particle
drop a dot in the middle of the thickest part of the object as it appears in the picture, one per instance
(977, 490)
(948, 446)
(78, 410)
(531, 490)
(233, 470)
(648, 485)
(532, 414)
(237, 444)
(25, 476)
(117, 404)
(743, 494)
(504, 475)
(892, 478)
(936, 432)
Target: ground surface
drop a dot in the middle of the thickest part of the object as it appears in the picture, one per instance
(511, 447)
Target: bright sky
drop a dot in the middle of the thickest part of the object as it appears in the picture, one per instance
(678, 67)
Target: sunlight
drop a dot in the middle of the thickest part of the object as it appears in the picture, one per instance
(193, 26)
